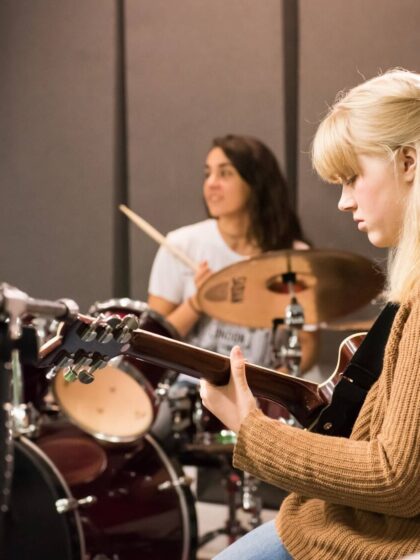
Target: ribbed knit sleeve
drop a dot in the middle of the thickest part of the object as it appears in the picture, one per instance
(379, 472)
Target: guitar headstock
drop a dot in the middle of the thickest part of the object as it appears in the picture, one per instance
(84, 344)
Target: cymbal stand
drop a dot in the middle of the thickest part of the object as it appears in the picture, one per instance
(290, 353)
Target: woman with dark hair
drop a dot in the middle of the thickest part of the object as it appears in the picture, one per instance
(248, 203)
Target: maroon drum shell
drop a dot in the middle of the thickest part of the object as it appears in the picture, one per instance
(141, 510)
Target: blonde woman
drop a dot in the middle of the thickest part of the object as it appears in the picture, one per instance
(354, 498)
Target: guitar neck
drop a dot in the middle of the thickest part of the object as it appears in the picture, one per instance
(302, 398)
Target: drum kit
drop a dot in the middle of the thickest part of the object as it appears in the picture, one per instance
(85, 474)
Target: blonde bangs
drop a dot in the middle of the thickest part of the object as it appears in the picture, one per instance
(333, 154)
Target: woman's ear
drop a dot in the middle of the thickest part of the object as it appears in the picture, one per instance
(408, 163)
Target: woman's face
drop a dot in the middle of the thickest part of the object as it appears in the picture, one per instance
(377, 197)
(225, 192)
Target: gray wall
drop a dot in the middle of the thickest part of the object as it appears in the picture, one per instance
(56, 146)
(343, 42)
(194, 69)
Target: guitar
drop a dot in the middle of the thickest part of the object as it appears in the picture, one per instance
(86, 344)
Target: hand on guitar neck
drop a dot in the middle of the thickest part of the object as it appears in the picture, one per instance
(231, 403)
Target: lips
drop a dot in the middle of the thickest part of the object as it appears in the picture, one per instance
(214, 199)
(361, 225)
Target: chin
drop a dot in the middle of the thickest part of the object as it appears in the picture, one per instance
(378, 241)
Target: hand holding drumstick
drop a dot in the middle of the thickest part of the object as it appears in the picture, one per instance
(201, 270)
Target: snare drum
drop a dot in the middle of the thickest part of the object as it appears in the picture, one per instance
(74, 499)
(120, 405)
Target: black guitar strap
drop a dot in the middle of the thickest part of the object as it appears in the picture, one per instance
(363, 370)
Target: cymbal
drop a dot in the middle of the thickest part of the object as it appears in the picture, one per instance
(362, 325)
(329, 284)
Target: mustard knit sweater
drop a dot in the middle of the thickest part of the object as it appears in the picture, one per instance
(356, 498)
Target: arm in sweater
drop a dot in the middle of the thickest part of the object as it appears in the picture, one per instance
(378, 468)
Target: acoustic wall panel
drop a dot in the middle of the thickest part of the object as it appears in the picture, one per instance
(344, 42)
(56, 149)
(195, 69)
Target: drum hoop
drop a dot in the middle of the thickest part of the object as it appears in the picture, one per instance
(127, 368)
(38, 451)
(162, 320)
(114, 304)
(182, 499)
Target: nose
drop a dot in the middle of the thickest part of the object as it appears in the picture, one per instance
(211, 181)
(346, 202)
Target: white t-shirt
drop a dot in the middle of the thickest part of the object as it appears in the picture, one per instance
(173, 280)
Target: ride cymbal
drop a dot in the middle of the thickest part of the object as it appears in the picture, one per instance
(328, 284)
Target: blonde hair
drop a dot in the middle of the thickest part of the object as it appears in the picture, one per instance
(378, 117)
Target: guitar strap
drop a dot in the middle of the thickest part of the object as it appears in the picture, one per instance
(364, 368)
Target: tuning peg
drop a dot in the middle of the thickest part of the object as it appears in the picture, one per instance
(88, 332)
(85, 377)
(124, 335)
(129, 321)
(106, 335)
(82, 361)
(113, 321)
(70, 375)
(98, 362)
(63, 361)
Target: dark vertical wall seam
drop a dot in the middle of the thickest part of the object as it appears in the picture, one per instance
(121, 263)
(291, 95)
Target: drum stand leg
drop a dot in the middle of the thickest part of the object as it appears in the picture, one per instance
(240, 495)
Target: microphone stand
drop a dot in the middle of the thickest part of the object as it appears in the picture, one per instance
(18, 345)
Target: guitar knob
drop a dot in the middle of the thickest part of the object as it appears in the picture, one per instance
(85, 377)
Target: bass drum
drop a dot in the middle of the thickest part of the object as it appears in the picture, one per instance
(123, 502)
(33, 528)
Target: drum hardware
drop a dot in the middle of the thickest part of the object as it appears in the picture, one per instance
(179, 482)
(64, 505)
(240, 495)
(289, 355)
(18, 344)
(251, 501)
(164, 386)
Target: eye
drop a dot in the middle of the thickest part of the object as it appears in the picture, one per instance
(225, 172)
(350, 181)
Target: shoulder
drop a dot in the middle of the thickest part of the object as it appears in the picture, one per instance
(191, 231)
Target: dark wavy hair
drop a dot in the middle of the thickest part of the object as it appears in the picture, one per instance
(274, 223)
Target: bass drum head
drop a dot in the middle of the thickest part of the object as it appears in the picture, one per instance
(34, 530)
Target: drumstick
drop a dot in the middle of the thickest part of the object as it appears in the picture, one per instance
(157, 236)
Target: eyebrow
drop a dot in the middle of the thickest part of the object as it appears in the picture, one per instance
(227, 164)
